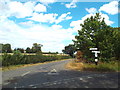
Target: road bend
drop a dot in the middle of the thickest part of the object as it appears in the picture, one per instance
(55, 75)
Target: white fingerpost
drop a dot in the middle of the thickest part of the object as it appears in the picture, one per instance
(94, 50)
(96, 53)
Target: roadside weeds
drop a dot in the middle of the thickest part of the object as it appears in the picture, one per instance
(101, 67)
(26, 65)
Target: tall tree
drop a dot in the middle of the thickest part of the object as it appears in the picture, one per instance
(28, 50)
(36, 47)
(116, 41)
(1, 46)
(6, 48)
(95, 33)
(70, 49)
(20, 49)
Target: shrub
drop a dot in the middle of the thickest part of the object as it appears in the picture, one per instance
(18, 58)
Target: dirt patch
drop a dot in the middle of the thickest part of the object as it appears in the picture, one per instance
(75, 65)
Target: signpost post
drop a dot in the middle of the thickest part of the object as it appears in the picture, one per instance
(94, 50)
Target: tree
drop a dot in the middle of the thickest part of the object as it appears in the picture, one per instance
(36, 47)
(1, 46)
(6, 48)
(95, 33)
(28, 50)
(116, 41)
(20, 49)
(70, 49)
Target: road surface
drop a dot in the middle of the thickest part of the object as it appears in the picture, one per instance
(55, 75)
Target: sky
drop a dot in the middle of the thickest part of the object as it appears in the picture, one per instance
(53, 24)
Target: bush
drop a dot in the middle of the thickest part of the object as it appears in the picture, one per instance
(18, 58)
(6, 59)
(103, 67)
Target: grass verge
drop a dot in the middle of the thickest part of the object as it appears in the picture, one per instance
(101, 67)
(12, 67)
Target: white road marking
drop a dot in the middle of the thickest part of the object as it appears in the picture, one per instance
(25, 73)
(89, 77)
(81, 78)
(31, 85)
(54, 70)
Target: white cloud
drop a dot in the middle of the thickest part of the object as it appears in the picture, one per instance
(21, 10)
(63, 17)
(107, 19)
(17, 9)
(72, 4)
(40, 8)
(51, 18)
(56, 27)
(91, 10)
(4, 10)
(110, 8)
(44, 17)
(28, 23)
(51, 37)
(46, 2)
(76, 24)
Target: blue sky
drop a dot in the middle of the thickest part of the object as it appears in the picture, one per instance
(53, 24)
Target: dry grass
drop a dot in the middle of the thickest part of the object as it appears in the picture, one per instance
(74, 65)
(101, 67)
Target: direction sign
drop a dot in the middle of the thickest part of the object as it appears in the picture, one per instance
(96, 53)
(93, 49)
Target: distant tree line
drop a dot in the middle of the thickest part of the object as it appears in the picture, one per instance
(17, 58)
(95, 33)
(6, 48)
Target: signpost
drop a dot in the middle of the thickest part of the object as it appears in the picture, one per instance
(94, 50)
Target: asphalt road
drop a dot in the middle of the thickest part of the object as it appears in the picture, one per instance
(54, 75)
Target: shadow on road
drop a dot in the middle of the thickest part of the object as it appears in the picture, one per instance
(65, 79)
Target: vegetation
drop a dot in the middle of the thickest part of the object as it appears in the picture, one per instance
(70, 49)
(18, 58)
(5, 48)
(95, 33)
(101, 67)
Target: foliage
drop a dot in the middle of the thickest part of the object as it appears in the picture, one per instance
(28, 50)
(79, 55)
(19, 49)
(70, 49)
(50, 52)
(116, 41)
(103, 67)
(112, 66)
(18, 58)
(36, 47)
(95, 33)
(6, 48)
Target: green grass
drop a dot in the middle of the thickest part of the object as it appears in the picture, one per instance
(103, 67)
